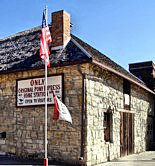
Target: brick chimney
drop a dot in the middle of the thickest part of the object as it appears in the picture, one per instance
(60, 29)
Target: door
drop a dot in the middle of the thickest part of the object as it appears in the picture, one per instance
(126, 133)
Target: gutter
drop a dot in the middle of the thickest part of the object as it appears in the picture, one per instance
(83, 105)
(103, 66)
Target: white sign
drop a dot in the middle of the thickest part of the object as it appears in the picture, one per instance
(31, 92)
(127, 99)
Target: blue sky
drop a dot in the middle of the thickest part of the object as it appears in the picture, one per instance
(124, 30)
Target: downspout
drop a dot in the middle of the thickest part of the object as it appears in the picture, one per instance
(82, 113)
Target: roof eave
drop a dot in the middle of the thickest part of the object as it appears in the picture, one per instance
(42, 66)
(103, 66)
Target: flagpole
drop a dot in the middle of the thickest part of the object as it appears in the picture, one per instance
(46, 159)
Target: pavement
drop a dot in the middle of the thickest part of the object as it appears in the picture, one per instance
(142, 159)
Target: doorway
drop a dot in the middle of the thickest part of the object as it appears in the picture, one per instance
(126, 133)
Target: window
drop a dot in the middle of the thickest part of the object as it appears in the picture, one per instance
(107, 126)
(126, 94)
(2, 135)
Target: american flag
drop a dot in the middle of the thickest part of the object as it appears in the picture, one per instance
(45, 40)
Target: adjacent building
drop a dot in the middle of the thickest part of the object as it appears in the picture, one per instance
(112, 110)
(144, 71)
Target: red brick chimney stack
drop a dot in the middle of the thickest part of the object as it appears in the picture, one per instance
(60, 29)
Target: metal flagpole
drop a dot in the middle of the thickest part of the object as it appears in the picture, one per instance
(46, 159)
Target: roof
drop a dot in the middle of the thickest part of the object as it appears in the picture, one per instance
(19, 48)
(98, 56)
(21, 52)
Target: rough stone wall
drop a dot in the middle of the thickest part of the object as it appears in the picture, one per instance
(104, 91)
(142, 104)
(24, 126)
(7, 111)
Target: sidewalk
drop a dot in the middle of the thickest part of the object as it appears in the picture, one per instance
(141, 159)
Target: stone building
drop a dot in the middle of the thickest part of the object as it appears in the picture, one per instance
(110, 107)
